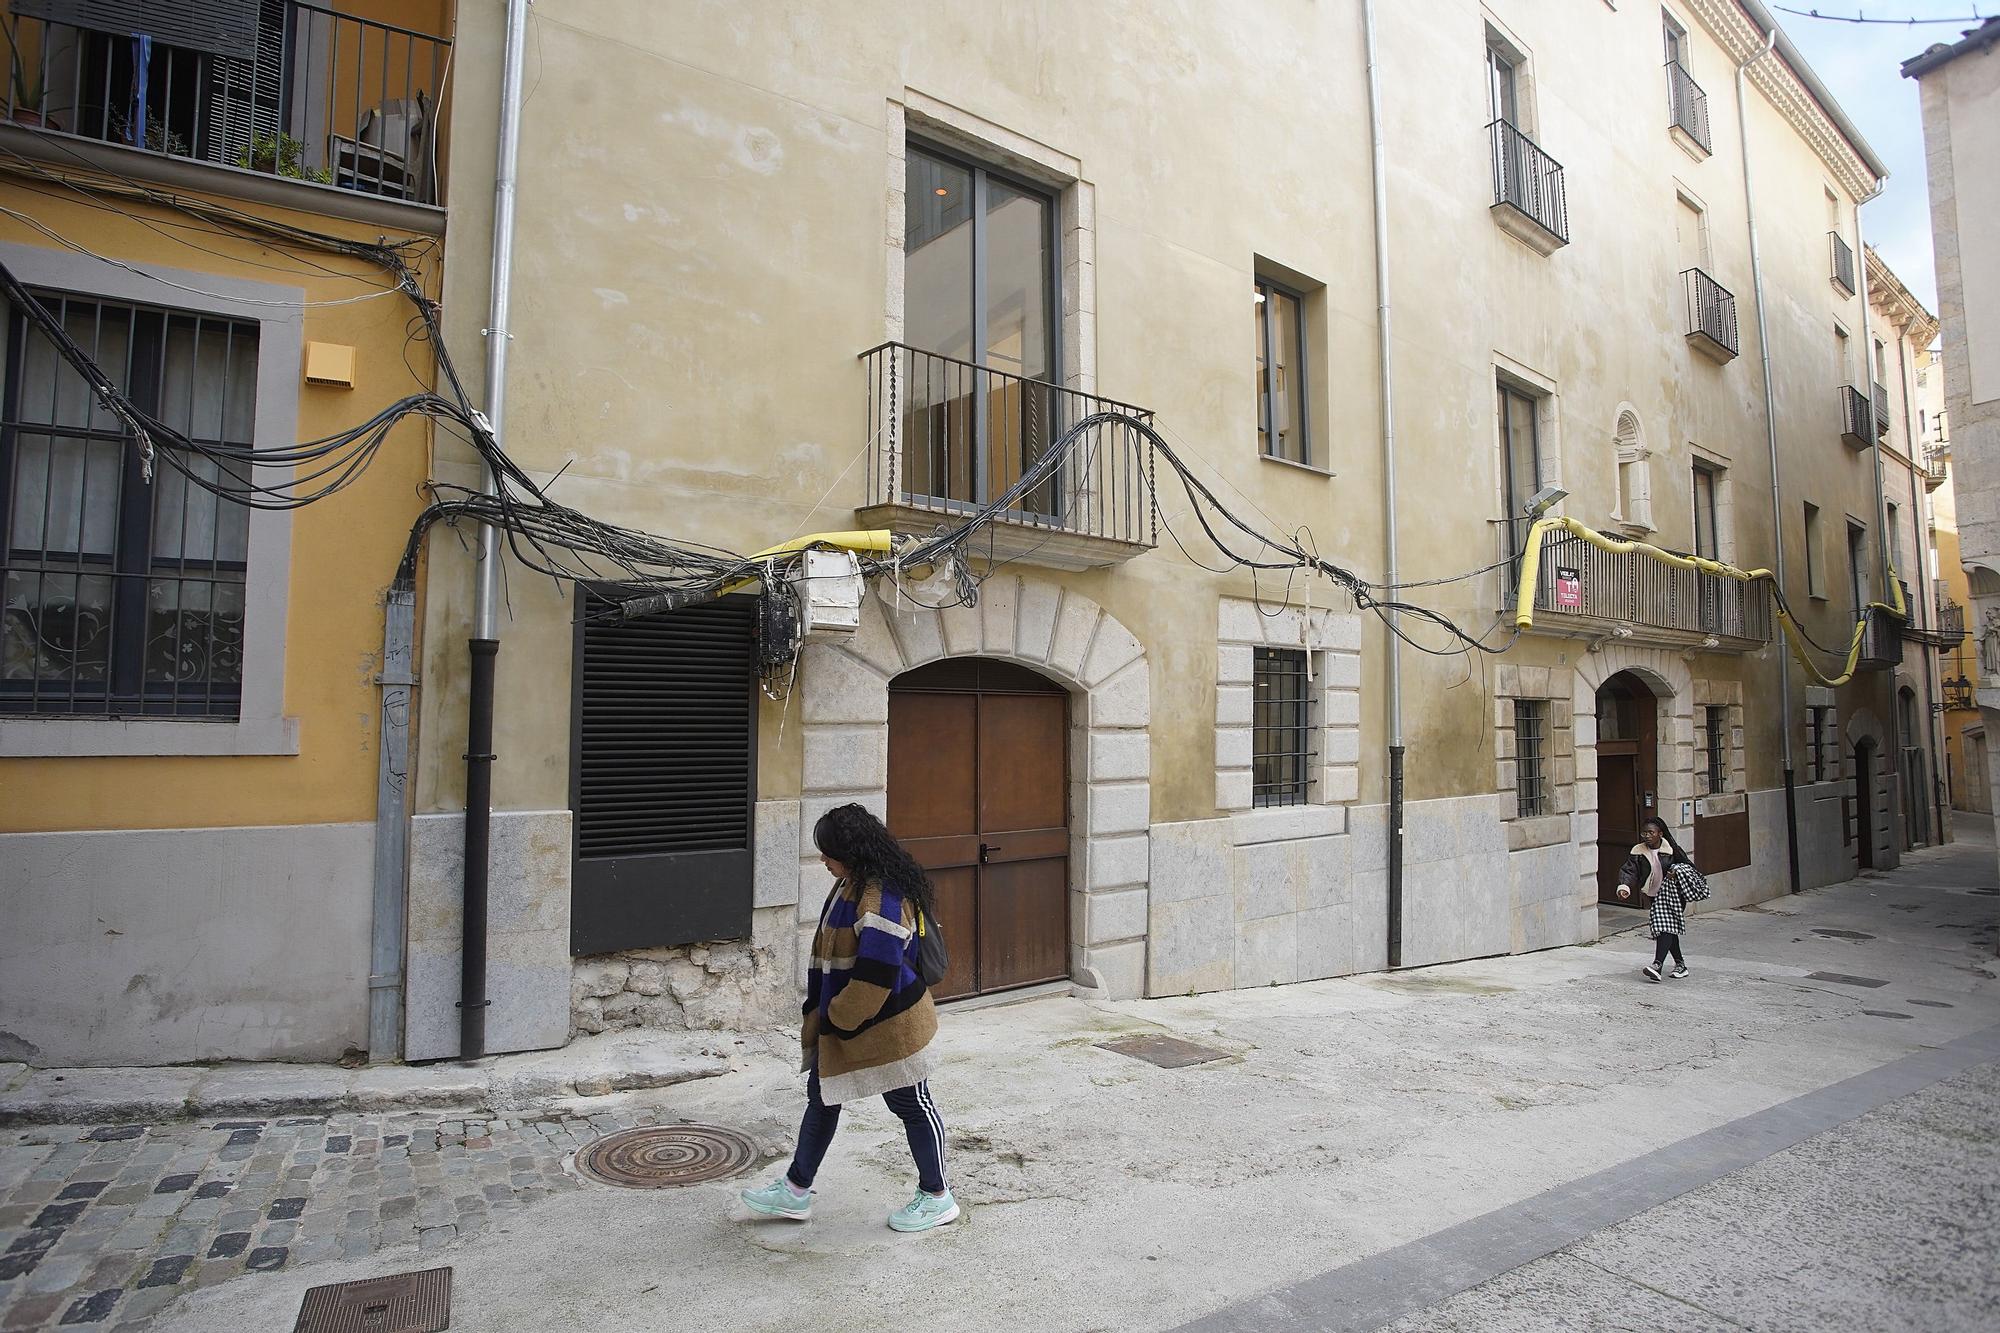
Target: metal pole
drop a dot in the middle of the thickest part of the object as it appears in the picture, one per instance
(392, 827)
(1378, 165)
(485, 644)
(1771, 443)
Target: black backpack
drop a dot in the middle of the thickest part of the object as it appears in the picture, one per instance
(933, 959)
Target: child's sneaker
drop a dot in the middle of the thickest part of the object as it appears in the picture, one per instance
(777, 1199)
(1680, 971)
(1650, 971)
(924, 1212)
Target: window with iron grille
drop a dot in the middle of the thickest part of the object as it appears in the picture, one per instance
(124, 598)
(1718, 748)
(1530, 742)
(1819, 735)
(1281, 751)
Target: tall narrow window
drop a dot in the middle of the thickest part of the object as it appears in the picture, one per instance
(1675, 39)
(1503, 83)
(1718, 748)
(1819, 744)
(1707, 538)
(1282, 354)
(1857, 564)
(1281, 729)
(1520, 459)
(1815, 580)
(1893, 540)
(980, 265)
(124, 598)
(1530, 741)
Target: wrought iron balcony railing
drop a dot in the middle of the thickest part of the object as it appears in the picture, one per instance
(1881, 641)
(1528, 180)
(1583, 590)
(1843, 263)
(949, 436)
(1687, 104)
(1857, 417)
(288, 88)
(1950, 623)
(1711, 314)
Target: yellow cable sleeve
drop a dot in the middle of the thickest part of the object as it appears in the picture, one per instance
(875, 540)
(1531, 565)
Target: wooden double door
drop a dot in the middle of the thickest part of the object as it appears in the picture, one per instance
(1627, 776)
(979, 794)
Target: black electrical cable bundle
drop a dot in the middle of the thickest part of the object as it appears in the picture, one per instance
(635, 572)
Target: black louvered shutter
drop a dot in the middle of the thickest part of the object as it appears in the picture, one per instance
(219, 27)
(663, 777)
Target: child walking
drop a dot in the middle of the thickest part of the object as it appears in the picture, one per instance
(1658, 868)
(869, 1020)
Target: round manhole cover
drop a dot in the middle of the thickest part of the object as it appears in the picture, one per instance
(666, 1155)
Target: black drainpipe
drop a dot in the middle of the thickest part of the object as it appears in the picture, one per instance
(472, 999)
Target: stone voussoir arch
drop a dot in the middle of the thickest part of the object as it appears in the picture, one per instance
(1668, 675)
(843, 693)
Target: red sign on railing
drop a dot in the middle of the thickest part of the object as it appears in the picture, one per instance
(1569, 589)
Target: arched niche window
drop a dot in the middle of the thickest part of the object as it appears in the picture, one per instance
(1632, 506)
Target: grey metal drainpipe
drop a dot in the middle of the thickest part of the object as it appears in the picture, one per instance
(1379, 169)
(1920, 504)
(392, 827)
(1771, 441)
(484, 647)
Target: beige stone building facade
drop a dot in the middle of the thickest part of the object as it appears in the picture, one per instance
(1960, 88)
(851, 267)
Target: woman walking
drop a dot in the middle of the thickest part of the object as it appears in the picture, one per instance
(869, 1020)
(1658, 868)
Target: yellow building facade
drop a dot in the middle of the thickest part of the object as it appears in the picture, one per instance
(190, 710)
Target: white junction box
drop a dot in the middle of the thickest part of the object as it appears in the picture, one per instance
(829, 589)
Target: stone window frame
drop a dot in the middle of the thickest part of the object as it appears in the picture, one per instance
(1826, 765)
(1332, 642)
(928, 118)
(1727, 695)
(261, 726)
(1513, 683)
(1721, 476)
(1547, 394)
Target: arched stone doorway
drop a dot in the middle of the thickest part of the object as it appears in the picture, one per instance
(1062, 636)
(1664, 675)
(978, 793)
(1628, 783)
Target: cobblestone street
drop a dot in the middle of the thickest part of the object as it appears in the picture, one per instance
(103, 1226)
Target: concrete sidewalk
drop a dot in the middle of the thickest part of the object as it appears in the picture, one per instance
(1348, 1118)
(587, 1067)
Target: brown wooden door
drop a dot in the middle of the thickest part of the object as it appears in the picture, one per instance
(978, 792)
(1627, 780)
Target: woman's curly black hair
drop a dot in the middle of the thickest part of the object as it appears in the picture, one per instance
(850, 835)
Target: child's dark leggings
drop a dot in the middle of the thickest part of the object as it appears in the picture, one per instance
(913, 1105)
(1664, 945)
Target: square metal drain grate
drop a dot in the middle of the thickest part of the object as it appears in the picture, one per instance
(1843, 979)
(403, 1303)
(1166, 1052)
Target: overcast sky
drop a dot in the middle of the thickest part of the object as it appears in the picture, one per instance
(1859, 63)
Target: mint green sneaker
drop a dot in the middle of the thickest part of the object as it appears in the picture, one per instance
(777, 1200)
(924, 1212)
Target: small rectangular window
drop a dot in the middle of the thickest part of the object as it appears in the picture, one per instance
(1718, 748)
(1281, 729)
(1815, 583)
(1282, 352)
(1819, 736)
(1530, 741)
(1676, 39)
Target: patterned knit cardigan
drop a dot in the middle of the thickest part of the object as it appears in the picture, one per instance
(868, 1016)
